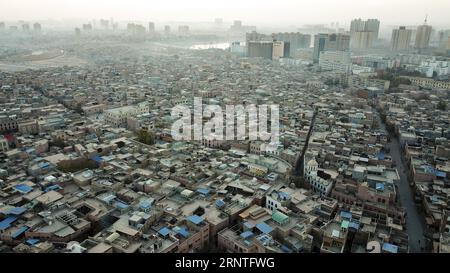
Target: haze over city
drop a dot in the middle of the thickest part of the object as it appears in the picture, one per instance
(262, 12)
(240, 127)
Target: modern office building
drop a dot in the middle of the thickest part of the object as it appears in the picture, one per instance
(320, 41)
(401, 39)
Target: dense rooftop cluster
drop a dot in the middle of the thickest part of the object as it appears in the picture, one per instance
(88, 162)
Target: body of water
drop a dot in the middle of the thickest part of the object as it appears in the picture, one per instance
(211, 45)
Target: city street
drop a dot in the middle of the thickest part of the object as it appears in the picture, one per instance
(414, 221)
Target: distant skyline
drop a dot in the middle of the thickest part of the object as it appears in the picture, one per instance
(251, 12)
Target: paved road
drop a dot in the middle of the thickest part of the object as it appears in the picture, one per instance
(415, 223)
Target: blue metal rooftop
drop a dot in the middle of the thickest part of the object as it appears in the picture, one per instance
(17, 211)
(182, 231)
(283, 195)
(53, 188)
(20, 232)
(32, 242)
(145, 204)
(6, 223)
(220, 203)
(203, 191)
(121, 205)
(195, 219)
(379, 186)
(264, 228)
(248, 225)
(390, 248)
(23, 188)
(346, 214)
(164, 231)
(246, 234)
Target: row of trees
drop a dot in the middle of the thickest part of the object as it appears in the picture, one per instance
(76, 165)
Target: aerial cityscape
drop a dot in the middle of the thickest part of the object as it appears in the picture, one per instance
(216, 132)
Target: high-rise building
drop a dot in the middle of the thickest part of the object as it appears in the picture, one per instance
(37, 27)
(401, 39)
(151, 27)
(332, 42)
(87, 27)
(183, 30)
(296, 40)
(364, 33)
(218, 21)
(262, 49)
(167, 30)
(320, 41)
(26, 27)
(423, 36)
(77, 31)
(362, 39)
(373, 25)
(104, 23)
(442, 38)
(277, 50)
(2, 25)
(357, 25)
(448, 45)
(136, 29)
(338, 42)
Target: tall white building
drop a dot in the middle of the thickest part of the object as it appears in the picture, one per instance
(277, 50)
(373, 25)
(362, 39)
(364, 33)
(401, 39)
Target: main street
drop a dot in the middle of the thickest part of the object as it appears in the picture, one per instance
(414, 221)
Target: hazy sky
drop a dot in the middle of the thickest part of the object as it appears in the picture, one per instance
(409, 12)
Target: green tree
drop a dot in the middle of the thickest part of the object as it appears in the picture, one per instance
(58, 143)
(442, 105)
(76, 165)
(146, 137)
